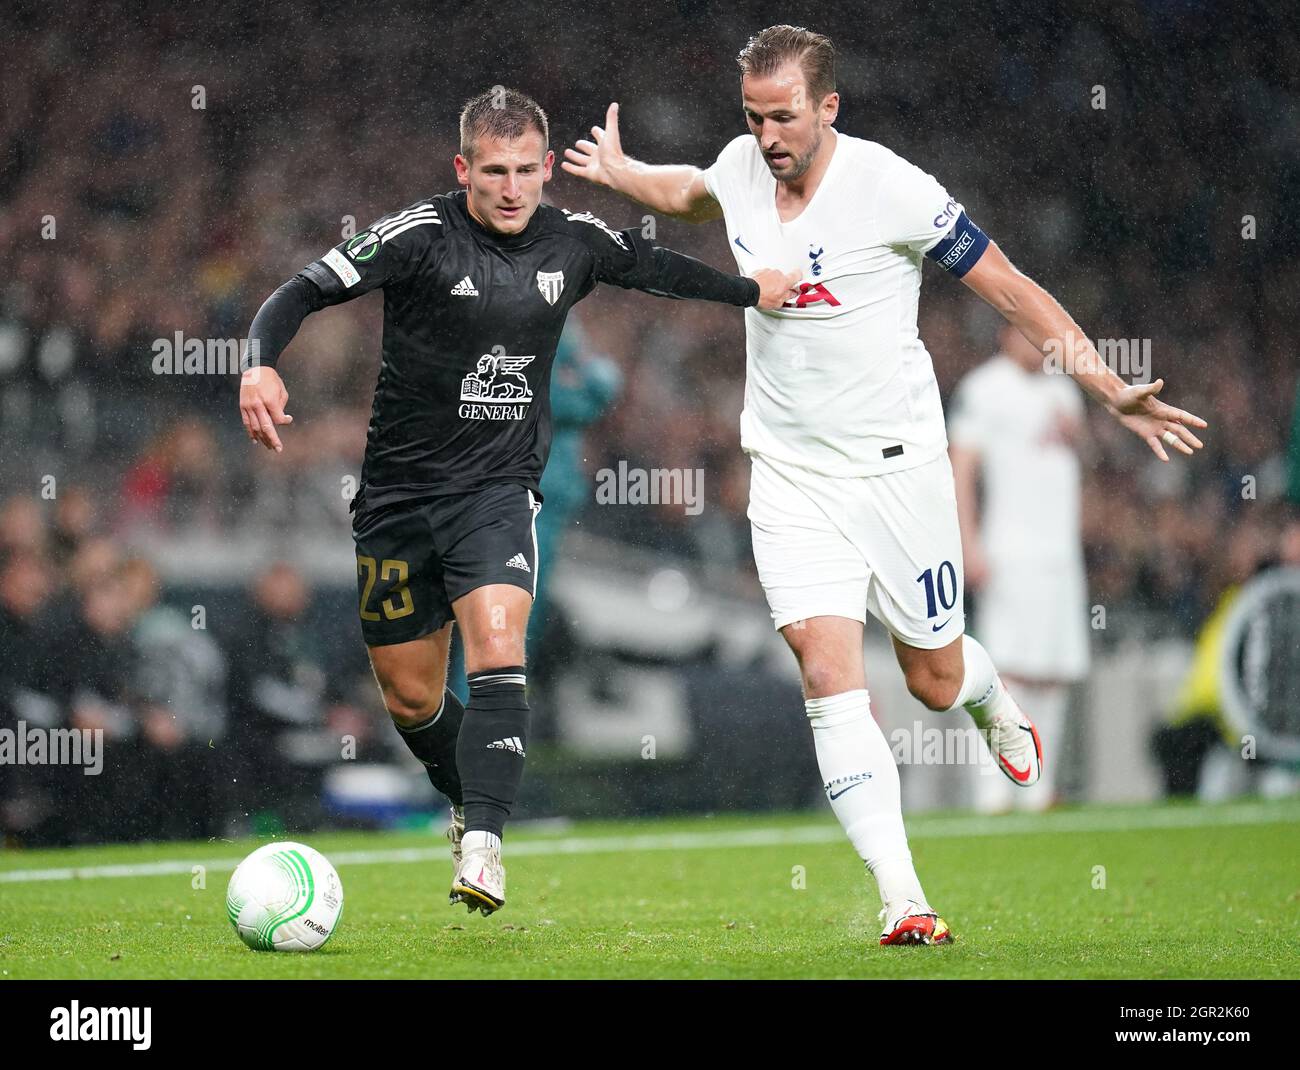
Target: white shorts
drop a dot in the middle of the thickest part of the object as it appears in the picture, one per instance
(888, 545)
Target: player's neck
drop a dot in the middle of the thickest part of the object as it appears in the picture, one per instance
(799, 191)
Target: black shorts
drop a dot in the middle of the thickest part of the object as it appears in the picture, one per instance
(415, 558)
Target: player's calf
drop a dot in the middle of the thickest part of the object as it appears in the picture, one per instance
(433, 740)
(412, 676)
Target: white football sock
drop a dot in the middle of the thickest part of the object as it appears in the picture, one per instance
(478, 841)
(981, 693)
(861, 782)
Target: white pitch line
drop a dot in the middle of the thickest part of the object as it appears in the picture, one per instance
(922, 828)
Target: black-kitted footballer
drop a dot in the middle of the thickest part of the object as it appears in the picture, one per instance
(477, 284)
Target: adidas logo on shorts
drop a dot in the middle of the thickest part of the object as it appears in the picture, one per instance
(513, 744)
(464, 288)
(518, 561)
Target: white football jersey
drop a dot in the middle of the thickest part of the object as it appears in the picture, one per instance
(838, 382)
(1014, 420)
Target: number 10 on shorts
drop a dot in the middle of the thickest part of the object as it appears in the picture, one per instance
(944, 591)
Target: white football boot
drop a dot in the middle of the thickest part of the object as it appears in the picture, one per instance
(910, 922)
(480, 881)
(1013, 741)
(454, 833)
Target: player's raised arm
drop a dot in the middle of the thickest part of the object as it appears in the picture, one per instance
(1042, 320)
(625, 258)
(676, 190)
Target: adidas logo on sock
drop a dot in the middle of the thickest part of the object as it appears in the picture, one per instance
(464, 288)
(514, 743)
(519, 561)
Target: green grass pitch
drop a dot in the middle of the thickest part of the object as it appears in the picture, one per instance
(1154, 892)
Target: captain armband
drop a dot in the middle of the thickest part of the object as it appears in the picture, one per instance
(961, 249)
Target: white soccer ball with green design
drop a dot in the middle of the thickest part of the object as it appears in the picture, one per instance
(284, 897)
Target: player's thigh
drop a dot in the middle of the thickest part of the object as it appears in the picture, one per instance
(829, 652)
(807, 565)
(906, 526)
(490, 566)
(413, 675)
(399, 579)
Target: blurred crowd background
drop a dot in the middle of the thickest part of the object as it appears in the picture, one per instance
(163, 169)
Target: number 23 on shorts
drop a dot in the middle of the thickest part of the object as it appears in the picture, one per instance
(398, 604)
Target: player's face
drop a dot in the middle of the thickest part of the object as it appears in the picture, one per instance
(504, 181)
(787, 122)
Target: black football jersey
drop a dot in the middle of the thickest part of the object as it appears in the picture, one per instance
(471, 323)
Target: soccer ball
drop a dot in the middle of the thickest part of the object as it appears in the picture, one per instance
(284, 897)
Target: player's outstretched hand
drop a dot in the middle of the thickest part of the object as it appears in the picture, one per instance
(262, 398)
(595, 160)
(1156, 423)
(775, 288)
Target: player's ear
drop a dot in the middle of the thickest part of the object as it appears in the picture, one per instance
(548, 165)
(830, 107)
(462, 170)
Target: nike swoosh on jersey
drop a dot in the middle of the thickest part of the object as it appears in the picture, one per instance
(744, 246)
(936, 627)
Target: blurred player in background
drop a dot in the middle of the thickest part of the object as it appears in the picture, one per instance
(1018, 430)
(852, 502)
(477, 285)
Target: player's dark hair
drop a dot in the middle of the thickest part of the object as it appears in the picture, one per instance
(769, 50)
(500, 113)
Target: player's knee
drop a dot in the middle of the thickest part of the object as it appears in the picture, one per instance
(823, 676)
(934, 690)
(411, 700)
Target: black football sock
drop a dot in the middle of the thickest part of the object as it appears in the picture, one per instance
(490, 754)
(434, 743)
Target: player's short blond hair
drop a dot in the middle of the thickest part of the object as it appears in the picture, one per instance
(769, 50)
(500, 113)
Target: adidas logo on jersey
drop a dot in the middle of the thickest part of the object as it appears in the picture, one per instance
(519, 561)
(464, 288)
(513, 744)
